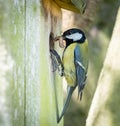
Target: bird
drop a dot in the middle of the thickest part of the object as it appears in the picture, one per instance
(74, 62)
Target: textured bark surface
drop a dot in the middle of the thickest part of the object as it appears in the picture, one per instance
(27, 83)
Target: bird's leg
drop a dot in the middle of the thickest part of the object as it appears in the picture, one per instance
(56, 61)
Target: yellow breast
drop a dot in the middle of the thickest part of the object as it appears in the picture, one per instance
(68, 61)
(69, 67)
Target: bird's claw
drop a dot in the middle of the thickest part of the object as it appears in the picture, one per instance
(56, 62)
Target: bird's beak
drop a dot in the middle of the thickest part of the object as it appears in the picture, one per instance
(61, 40)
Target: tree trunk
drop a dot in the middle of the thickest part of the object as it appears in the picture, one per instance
(105, 107)
(27, 83)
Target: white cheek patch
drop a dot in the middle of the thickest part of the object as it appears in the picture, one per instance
(75, 36)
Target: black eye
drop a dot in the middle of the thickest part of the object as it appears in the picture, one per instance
(69, 33)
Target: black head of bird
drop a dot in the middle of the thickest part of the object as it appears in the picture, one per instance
(73, 35)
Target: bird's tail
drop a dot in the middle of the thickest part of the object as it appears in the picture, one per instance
(67, 101)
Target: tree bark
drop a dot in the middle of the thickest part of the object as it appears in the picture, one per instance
(27, 81)
(105, 107)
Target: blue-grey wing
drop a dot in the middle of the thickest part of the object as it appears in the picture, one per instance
(81, 70)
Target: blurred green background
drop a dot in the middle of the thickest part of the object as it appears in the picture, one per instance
(99, 31)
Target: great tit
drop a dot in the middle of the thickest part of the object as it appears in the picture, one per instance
(74, 63)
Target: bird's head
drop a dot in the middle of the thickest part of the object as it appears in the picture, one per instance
(70, 36)
(74, 35)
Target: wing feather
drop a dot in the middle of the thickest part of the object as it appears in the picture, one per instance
(81, 70)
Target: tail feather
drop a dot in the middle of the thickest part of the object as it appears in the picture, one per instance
(67, 101)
